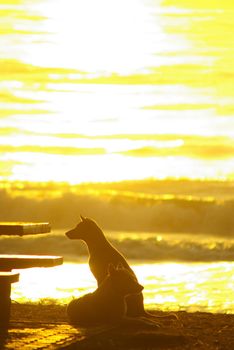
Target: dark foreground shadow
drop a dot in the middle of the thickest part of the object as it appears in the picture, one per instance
(135, 335)
(131, 339)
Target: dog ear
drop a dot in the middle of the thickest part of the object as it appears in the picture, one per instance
(82, 218)
(120, 266)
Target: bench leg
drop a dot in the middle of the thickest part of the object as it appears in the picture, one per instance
(5, 305)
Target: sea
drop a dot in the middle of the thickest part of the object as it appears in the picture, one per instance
(178, 272)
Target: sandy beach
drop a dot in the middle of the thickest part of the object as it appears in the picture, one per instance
(198, 330)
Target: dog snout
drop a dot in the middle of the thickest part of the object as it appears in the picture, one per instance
(70, 234)
(140, 287)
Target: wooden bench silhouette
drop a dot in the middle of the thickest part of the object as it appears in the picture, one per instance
(23, 228)
(6, 279)
(9, 262)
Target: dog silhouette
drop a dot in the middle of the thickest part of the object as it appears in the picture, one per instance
(107, 303)
(101, 255)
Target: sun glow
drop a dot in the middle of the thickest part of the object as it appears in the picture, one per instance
(103, 36)
(123, 87)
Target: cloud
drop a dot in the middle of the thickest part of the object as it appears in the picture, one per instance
(9, 112)
(8, 131)
(8, 97)
(180, 107)
(52, 150)
(190, 74)
(153, 137)
(28, 73)
(191, 146)
(199, 151)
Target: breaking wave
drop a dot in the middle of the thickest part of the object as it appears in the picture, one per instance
(125, 212)
(145, 247)
(142, 222)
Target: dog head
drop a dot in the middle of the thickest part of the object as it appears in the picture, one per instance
(85, 228)
(123, 281)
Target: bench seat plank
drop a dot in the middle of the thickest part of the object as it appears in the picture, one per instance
(9, 262)
(9, 277)
(24, 228)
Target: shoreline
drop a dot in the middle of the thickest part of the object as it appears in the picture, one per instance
(198, 330)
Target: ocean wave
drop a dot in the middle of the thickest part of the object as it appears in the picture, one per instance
(154, 248)
(125, 211)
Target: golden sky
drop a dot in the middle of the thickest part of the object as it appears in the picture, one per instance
(109, 91)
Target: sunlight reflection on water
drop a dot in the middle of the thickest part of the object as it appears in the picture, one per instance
(168, 286)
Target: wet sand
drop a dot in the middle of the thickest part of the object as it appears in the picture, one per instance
(198, 330)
